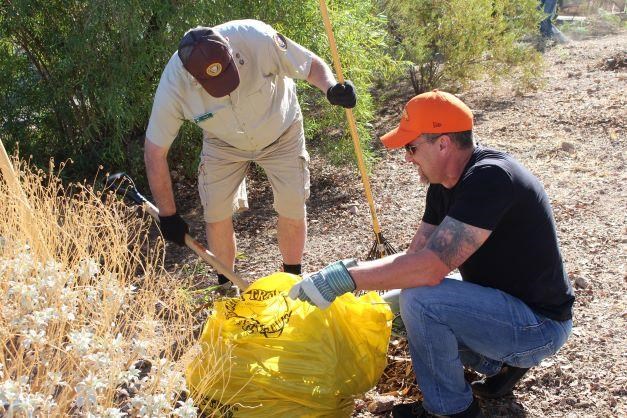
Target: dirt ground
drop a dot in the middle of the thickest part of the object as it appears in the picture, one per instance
(571, 134)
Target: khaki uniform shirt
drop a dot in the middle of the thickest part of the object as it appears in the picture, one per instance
(255, 114)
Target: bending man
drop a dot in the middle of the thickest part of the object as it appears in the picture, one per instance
(235, 82)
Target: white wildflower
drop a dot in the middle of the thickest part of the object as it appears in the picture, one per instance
(141, 347)
(117, 344)
(56, 379)
(40, 319)
(129, 376)
(152, 405)
(21, 265)
(186, 410)
(112, 413)
(168, 378)
(81, 341)
(19, 322)
(113, 294)
(32, 403)
(27, 295)
(47, 284)
(34, 337)
(10, 391)
(68, 313)
(98, 360)
(16, 399)
(87, 269)
(87, 391)
(92, 295)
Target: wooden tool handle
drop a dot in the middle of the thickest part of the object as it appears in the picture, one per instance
(202, 252)
(351, 120)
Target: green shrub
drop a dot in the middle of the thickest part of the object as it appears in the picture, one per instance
(452, 42)
(79, 77)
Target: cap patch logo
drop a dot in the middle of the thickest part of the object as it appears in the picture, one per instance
(405, 115)
(214, 69)
(280, 41)
(437, 124)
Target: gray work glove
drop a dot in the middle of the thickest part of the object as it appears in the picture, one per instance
(321, 288)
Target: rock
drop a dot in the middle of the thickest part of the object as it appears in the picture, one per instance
(352, 209)
(568, 147)
(360, 405)
(570, 401)
(381, 404)
(581, 283)
(144, 367)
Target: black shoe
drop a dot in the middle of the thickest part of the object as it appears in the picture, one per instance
(227, 290)
(500, 384)
(415, 409)
(410, 410)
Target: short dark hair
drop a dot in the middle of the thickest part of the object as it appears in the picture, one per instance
(463, 139)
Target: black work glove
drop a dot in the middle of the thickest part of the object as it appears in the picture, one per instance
(173, 228)
(342, 95)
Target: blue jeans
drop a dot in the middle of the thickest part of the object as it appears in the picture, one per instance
(456, 324)
(546, 26)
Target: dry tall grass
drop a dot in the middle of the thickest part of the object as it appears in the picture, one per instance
(89, 323)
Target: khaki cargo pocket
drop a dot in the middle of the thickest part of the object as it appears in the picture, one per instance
(202, 187)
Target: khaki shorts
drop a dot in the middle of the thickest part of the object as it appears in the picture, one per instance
(222, 173)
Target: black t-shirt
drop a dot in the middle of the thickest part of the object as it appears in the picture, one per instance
(521, 256)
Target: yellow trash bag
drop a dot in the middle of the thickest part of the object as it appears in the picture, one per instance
(288, 358)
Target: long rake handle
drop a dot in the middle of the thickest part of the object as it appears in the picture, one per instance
(351, 120)
(202, 252)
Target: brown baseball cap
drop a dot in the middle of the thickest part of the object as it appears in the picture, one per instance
(206, 55)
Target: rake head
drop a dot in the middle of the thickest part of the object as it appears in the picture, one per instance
(380, 248)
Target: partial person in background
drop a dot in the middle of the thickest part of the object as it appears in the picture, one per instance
(235, 81)
(547, 29)
(489, 217)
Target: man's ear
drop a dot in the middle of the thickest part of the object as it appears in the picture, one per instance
(445, 143)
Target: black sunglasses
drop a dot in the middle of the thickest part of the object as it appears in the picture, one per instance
(411, 148)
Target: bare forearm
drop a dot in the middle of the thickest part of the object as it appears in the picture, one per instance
(399, 271)
(158, 174)
(320, 75)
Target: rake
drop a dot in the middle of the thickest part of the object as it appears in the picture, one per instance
(381, 247)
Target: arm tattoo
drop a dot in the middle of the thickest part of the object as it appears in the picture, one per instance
(453, 241)
(421, 237)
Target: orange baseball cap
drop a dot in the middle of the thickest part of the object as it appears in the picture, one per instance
(435, 112)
